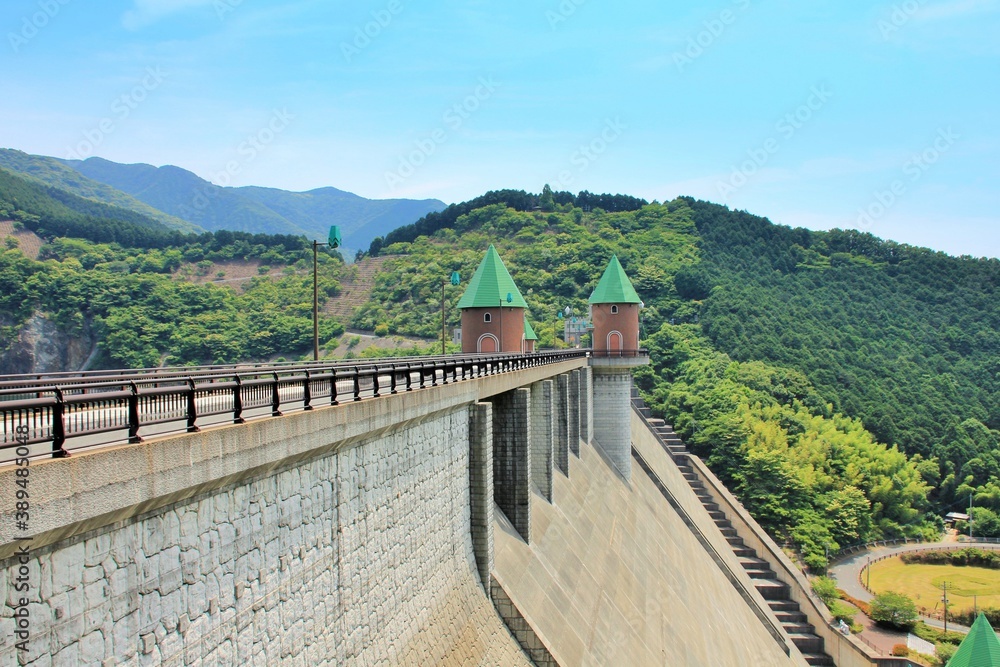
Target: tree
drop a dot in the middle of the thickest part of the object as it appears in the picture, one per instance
(547, 202)
(985, 522)
(894, 609)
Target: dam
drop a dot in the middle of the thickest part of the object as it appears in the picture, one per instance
(452, 510)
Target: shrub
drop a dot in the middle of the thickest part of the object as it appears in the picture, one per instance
(263, 269)
(895, 609)
(826, 589)
(843, 612)
(901, 650)
(945, 652)
(860, 604)
(382, 329)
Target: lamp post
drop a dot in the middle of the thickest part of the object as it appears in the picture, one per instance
(455, 279)
(510, 298)
(334, 242)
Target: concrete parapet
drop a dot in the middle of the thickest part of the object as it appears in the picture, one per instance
(542, 427)
(573, 413)
(481, 488)
(560, 437)
(512, 458)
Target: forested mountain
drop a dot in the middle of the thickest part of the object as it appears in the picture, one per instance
(845, 387)
(53, 172)
(784, 356)
(183, 194)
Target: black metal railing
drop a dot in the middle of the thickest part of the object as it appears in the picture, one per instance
(604, 354)
(42, 415)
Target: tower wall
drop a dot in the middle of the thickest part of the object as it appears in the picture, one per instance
(613, 415)
(508, 338)
(625, 321)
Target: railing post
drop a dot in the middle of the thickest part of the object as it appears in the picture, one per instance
(392, 381)
(409, 377)
(133, 414)
(192, 408)
(59, 427)
(444, 372)
(357, 384)
(275, 397)
(422, 367)
(238, 401)
(333, 387)
(375, 384)
(307, 392)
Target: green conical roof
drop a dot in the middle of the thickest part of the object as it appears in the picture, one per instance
(529, 333)
(614, 287)
(491, 284)
(980, 648)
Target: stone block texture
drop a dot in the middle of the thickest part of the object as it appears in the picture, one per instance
(573, 413)
(520, 628)
(587, 404)
(358, 557)
(613, 416)
(542, 426)
(481, 488)
(560, 437)
(512, 458)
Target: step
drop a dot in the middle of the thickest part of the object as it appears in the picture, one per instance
(728, 531)
(771, 589)
(807, 642)
(744, 552)
(754, 563)
(718, 515)
(710, 505)
(784, 606)
(799, 628)
(760, 574)
(819, 659)
(790, 617)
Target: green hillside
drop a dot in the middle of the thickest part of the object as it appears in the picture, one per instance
(53, 172)
(783, 355)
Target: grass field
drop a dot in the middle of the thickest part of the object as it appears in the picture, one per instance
(922, 583)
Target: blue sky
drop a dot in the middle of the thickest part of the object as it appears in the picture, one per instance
(881, 116)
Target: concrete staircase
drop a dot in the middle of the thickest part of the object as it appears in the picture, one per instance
(772, 589)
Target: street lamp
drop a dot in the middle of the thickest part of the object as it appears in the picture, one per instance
(334, 242)
(510, 298)
(455, 279)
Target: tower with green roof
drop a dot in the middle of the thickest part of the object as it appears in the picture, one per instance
(492, 309)
(530, 337)
(980, 648)
(614, 309)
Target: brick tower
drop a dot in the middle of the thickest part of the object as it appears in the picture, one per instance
(615, 313)
(492, 309)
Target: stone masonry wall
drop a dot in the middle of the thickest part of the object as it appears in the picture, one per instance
(360, 557)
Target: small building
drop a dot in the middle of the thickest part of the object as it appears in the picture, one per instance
(492, 309)
(614, 308)
(980, 648)
(951, 517)
(530, 338)
(574, 329)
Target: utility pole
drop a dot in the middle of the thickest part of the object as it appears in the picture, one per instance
(334, 242)
(944, 590)
(970, 517)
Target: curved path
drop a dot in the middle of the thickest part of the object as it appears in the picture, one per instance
(847, 572)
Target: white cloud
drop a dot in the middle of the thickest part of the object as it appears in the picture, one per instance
(147, 12)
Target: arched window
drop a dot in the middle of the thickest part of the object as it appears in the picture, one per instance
(614, 310)
(487, 317)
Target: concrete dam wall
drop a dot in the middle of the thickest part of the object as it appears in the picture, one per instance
(370, 533)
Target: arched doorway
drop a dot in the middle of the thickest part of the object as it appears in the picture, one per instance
(487, 343)
(615, 342)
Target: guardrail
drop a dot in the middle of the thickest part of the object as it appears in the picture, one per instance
(604, 354)
(41, 416)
